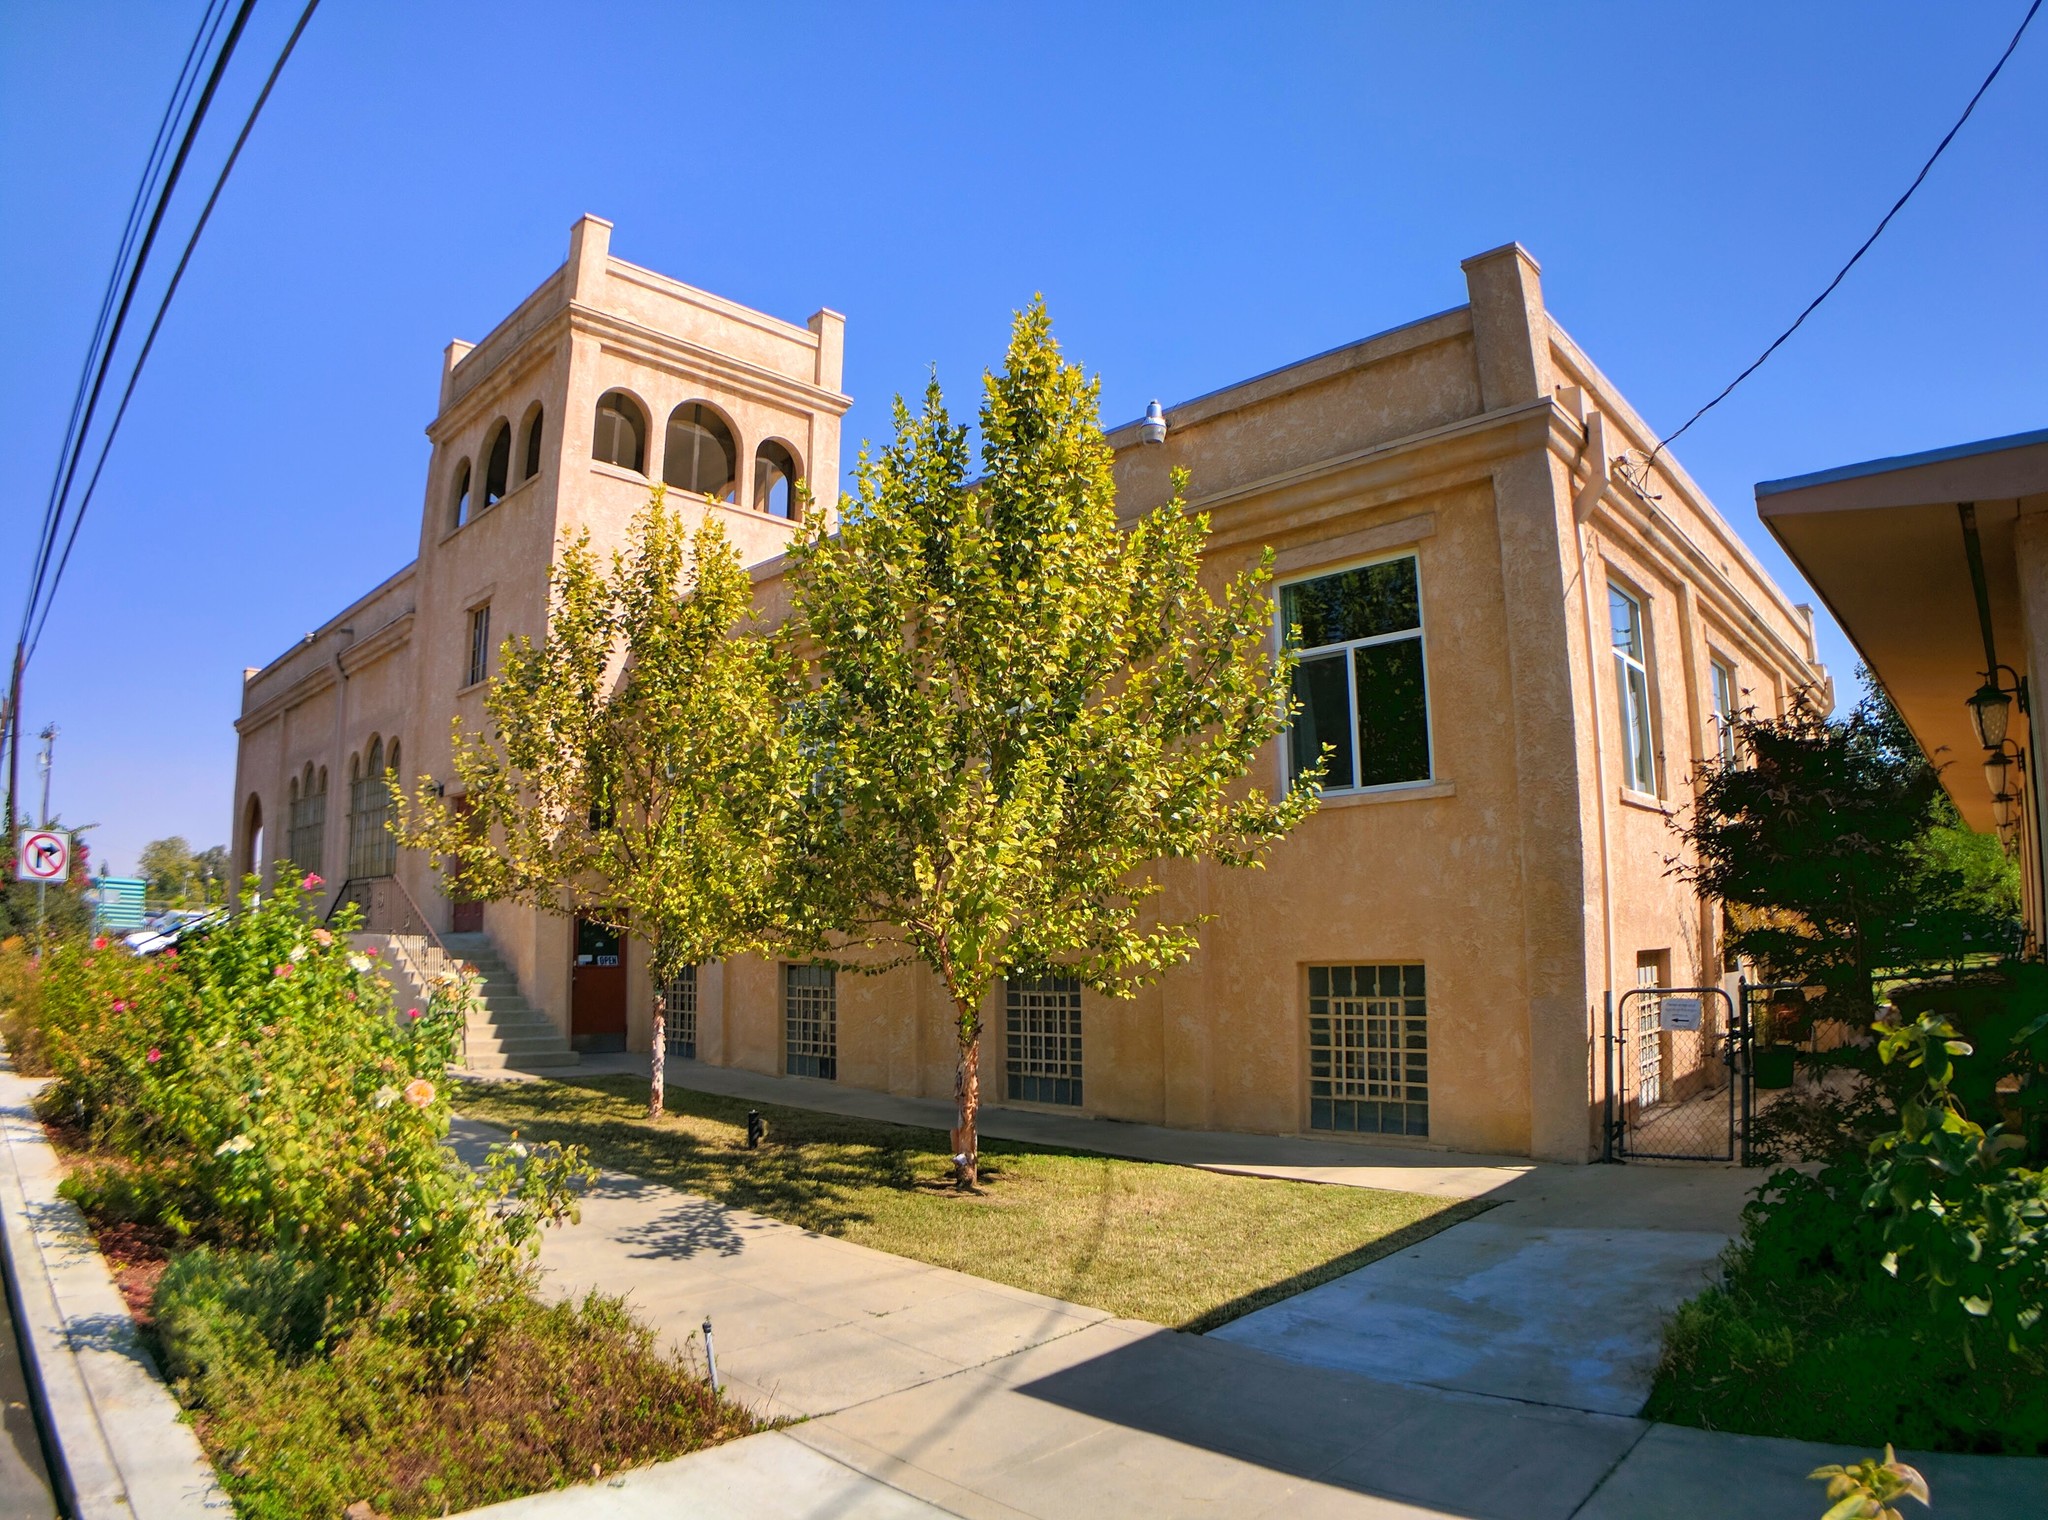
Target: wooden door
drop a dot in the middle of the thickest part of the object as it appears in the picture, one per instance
(466, 915)
(597, 990)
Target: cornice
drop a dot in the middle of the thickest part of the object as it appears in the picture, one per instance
(366, 652)
(692, 360)
(308, 686)
(479, 398)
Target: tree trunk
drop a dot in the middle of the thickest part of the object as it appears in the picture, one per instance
(967, 1096)
(658, 1066)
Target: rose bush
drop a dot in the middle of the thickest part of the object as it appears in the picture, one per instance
(260, 1090)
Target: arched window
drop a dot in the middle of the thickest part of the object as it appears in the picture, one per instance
(621, 436)
(498, 465)
(532, 450)
(458, 498)
(371, 849)
(775, 478)
(700, 453)
(307, 838)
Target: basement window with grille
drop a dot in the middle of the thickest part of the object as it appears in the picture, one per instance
(1044, 1039)
(680, 1011)
(1368, 1050)
(810, 1022)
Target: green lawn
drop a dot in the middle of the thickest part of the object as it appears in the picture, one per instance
(1169, 1244)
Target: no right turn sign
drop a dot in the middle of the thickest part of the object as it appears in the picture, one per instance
(44, 855)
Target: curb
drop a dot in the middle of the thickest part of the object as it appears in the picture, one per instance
(118, 1448)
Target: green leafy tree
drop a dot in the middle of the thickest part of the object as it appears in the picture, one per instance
(169, 867)
(1021, 707)
(631, 766)
(1834, 849)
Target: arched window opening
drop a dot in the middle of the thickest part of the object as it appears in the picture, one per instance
(371, 849)
(306, 839)
(252, 839)
(498, 466)
(458, 498)
(621, 436)
(700, 453)
(775, 478)
(532, 450)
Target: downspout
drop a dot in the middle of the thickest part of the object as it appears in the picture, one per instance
(340, 748)
(1593, 451)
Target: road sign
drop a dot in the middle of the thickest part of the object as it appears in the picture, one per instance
(1681, 1012)
(45, 856)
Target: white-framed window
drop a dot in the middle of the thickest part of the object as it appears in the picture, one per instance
(679, 1014)
(1722, 677)
(479, 643)
(1362, 680)
(1632, 690)
(1368, 1050)
(810, 1022)
(1043, 1039)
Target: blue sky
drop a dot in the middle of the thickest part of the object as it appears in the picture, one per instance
(1201, 192)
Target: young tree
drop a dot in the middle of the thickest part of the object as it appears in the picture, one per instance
(632, 767)
(1831, 844)
(1021, 707)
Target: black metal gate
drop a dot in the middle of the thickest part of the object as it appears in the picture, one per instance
(1678, 1076)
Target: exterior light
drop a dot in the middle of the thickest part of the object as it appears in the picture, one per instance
(1153, 428)
(1989, 709)
(2002, 809)
(1996, 766)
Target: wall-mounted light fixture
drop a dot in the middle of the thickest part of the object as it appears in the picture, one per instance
(1153, 428)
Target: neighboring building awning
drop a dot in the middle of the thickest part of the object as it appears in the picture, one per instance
(1883, 543)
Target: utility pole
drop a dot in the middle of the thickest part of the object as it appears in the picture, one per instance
(43, 887)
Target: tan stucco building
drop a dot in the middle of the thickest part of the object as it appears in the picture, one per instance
(1520, 644)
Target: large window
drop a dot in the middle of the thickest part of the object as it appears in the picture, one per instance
(1361, 681)
(699, 455)
(1368, 1050)
(621, 434)
(679, 1009)
(1044, 1039)
(1724, 710)
(774, 480)
(1632, 690)
(479, 643)
(810, 1022)
(371, 849)
(306, 841)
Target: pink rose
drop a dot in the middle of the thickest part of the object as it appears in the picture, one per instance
(155, 1055)
(285, 969)
(412, 1013)
(99, 942)
(119, 1006)
(311, 882)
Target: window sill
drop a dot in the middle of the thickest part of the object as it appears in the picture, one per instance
(463, 691)
(620, 472)
(1420, 791)
(482, 512)
(1635, 799)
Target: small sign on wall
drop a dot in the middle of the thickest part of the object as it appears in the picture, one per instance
(1681, 1013)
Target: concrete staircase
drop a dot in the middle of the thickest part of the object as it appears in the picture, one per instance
(507, 1033)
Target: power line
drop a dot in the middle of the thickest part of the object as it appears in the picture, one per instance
(157, 322)
(1897, 205)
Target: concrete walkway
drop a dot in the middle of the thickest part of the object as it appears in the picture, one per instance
(974, 1399)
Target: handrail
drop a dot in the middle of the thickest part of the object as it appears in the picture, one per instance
(418, 924)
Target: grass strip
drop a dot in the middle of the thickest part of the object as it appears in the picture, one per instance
(1144, 1240)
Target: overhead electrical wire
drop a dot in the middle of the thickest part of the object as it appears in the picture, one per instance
(1897, 206)
(156, 185)
(157, 322)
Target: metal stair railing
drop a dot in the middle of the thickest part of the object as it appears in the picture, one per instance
(388, 907)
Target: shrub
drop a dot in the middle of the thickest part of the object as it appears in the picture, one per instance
(236, 1309)
(262, 1091)
(21, 995)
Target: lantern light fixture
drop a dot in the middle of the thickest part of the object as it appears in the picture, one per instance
(1997, 767)
(1990, 709)
(2003, 809)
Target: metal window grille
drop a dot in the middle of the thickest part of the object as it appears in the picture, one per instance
(1368, 1049)
(680, 1005)
(371, 849)
(1649, 1041)
(308, 837)
(810, 1022)
(1044, 1039)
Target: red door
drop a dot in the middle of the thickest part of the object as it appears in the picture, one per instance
(597, 989)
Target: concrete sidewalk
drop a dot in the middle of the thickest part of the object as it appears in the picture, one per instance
(980, 1400)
